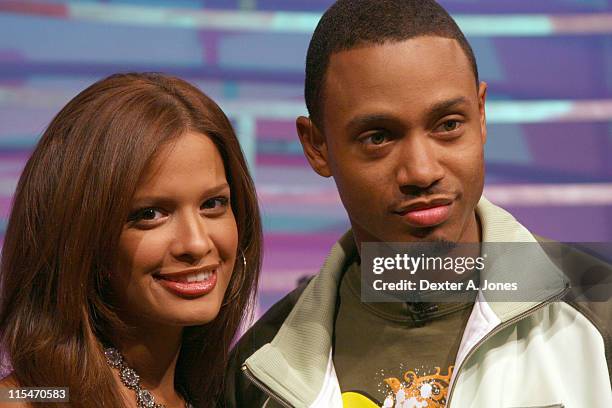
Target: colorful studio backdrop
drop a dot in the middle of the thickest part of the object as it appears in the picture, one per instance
(548, 64)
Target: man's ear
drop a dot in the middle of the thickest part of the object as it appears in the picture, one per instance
(482, 97)
(314, 145)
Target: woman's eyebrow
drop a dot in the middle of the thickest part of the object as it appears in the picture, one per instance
(218, 188)
(161, 198)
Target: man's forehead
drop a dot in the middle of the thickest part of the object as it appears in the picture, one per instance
(379, 58)
(421, 71)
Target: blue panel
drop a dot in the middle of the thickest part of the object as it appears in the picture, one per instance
(507, 144)
(487, 59)
(42, 39)
(593, 4)
(304, 224)
(263, 51)
(159, 3)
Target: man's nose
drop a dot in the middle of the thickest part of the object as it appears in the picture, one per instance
(418, 162)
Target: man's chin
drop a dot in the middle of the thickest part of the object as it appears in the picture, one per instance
(435, 234)
(432, 234)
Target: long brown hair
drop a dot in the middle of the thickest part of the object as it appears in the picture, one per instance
(61, 242)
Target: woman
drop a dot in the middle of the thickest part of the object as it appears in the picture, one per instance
(133, 248)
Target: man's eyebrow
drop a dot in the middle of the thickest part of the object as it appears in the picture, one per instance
(436, 109)
(361, 121)
(441, 107)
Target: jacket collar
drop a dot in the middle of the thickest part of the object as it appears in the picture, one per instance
(297, 365)
(521, 261)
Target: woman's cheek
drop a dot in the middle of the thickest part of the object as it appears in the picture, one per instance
(225, 238)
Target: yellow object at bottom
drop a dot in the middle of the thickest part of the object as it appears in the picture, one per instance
(356, 400)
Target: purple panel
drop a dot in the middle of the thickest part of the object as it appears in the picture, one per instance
(579, 224)
(320, 243)
(294, 5)
(5, 206)
(277, 160)
(25, 121)
(513, 6)
(291, 252)
(276, 130)
(532, 68)
(210, 46)
(18, 70)
(11, 55)
(267, 299)
(51, 10)
(454, 6)
(221, 4)
(583, 148)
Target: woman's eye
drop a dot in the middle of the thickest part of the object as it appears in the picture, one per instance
(217, 203)
(145, 214)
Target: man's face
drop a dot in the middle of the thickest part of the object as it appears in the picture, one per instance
(403, 134)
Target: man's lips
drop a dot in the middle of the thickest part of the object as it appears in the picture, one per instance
(426, 213)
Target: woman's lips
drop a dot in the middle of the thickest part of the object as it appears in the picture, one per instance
(189, 289)
(428, 216)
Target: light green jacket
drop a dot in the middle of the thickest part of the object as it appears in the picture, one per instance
(512, 354)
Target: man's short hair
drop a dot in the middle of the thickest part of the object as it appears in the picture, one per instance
(350, 24)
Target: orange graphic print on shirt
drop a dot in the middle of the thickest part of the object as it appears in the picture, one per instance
(411, 391)
(427, 391)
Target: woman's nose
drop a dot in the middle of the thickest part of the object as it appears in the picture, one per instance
(192, 241)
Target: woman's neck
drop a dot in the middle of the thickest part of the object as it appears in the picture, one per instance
(153, 354)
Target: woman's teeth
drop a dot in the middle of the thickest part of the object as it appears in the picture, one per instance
(195, 277)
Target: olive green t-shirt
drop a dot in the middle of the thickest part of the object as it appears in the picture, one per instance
(386, 353)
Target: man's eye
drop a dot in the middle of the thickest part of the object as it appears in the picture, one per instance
(449, 126)
(375, 138)
(215, 203)
(145, 214)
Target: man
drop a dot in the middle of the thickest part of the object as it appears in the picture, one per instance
(397, 118)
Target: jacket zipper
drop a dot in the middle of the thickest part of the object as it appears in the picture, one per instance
(499, 328)
(249, 375)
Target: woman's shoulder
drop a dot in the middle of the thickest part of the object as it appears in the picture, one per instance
(10, 382)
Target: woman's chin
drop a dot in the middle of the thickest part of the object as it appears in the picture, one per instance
(195, 316)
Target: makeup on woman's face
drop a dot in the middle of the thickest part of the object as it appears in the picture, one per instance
(178, 246)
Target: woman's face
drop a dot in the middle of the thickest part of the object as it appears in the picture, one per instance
(178, 247)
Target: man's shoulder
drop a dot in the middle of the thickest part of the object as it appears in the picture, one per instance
(590, 293)
(238, 391)
(266, 327)
(589, 277)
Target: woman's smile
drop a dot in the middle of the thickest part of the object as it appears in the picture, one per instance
(190, 283)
